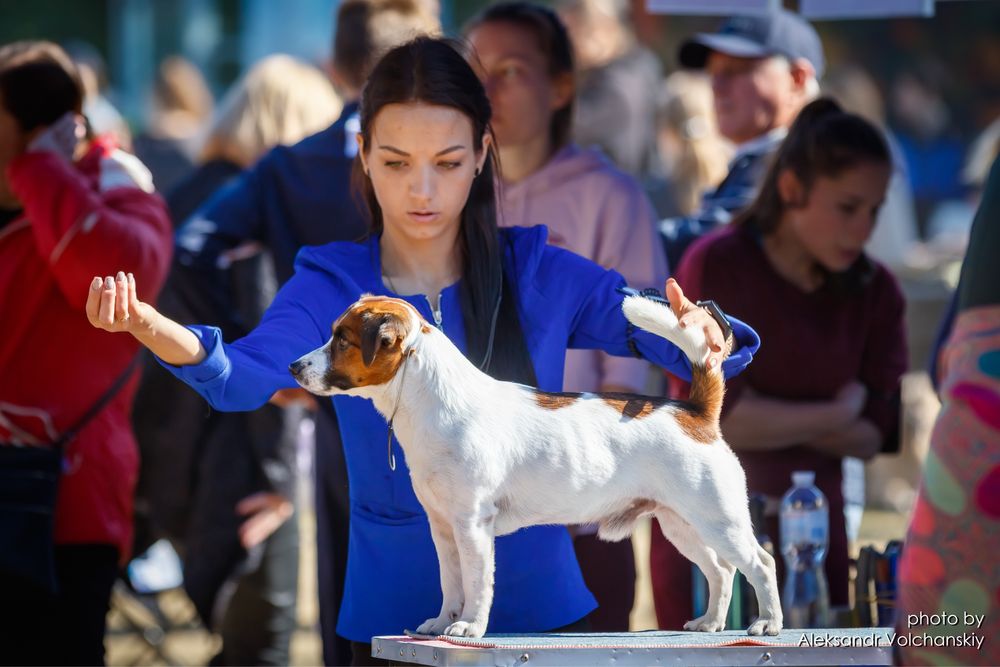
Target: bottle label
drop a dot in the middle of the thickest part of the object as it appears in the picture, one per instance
(804, 526)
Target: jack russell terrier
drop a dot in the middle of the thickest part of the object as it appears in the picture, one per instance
(488, 457)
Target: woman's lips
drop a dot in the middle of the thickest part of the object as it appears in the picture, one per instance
(422, 216)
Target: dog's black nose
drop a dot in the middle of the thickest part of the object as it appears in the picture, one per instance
(297, 367)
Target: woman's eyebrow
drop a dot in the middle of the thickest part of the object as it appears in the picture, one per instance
(397, 151)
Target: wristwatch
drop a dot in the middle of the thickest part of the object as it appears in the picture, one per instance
(720, 318)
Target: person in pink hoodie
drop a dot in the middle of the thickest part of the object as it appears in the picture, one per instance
(524, 57)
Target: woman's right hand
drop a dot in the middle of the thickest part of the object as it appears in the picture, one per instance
(113, 306)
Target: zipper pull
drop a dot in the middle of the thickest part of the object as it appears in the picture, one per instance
(436, 312)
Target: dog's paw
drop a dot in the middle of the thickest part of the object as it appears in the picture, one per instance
(465, 629)
(433, 626)
(764, 626)
(706, 624)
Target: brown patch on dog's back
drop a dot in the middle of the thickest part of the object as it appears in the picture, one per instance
(553, 401)
(700, 418)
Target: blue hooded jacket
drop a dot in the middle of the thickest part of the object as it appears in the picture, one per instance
(565, 301)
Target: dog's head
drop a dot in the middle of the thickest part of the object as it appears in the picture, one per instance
(369, 342)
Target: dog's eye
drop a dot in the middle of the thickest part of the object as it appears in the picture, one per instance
(342, 343)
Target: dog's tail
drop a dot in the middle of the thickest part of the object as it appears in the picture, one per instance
(707, 386)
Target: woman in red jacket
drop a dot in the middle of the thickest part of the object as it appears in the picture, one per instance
(67, 212)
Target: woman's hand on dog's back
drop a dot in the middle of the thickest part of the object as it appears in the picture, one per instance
(112, 305)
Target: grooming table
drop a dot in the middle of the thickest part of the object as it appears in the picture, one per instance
(854, 646)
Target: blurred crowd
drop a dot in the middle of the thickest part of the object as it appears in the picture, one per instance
(791, 192)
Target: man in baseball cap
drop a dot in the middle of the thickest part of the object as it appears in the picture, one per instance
(764, 69)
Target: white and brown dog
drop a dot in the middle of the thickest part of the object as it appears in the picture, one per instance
(489, 457)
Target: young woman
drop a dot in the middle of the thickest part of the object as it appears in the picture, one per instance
(525, 59)
(827, 384)
(426, 168)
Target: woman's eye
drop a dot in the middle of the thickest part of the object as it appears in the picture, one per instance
(450, 165)
(509, 72)
(394, 164)
(847, 209)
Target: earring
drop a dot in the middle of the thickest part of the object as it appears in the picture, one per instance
(475, 174)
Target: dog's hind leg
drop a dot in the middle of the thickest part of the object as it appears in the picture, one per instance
(738, 545)
(451, 577)
(474, 535)
(718, 572)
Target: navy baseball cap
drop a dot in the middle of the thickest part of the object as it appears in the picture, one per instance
(778, 32)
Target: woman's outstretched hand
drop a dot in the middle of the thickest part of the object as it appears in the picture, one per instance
(113, 306)
(690, 314)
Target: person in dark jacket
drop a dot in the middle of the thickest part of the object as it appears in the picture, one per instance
(222, 486)
(764, 68)
(295, 196)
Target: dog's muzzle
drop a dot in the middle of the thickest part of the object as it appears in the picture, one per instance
(297, 367)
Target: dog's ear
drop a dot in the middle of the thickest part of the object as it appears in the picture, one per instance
(379, 332)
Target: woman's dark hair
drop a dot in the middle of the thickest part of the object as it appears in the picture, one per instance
(38, 83)
(553, 40)
(433, 71)
(824, 141)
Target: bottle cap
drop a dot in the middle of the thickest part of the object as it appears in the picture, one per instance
(803, 477)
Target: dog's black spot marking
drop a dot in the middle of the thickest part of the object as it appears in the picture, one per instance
(632, 406)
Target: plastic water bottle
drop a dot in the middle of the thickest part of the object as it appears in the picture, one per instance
(805, 537)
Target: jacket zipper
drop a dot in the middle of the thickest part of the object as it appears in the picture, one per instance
(436, 312)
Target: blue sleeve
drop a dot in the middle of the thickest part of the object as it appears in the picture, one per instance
(590, 294)
(244, 374)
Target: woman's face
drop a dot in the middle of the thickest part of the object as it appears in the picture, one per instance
(515, 72)
(839, 214)
(421, 161)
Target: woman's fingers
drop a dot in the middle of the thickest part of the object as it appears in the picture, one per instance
(121, 298)
(111, 302)
(94, 301)
(675, 295)
(106, 315)
(690, 314)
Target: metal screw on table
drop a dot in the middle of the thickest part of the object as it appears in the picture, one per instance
(766, 657)
(413, 653)
(524, 657)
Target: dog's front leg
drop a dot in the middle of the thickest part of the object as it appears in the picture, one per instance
(451, 577)
(474, 535)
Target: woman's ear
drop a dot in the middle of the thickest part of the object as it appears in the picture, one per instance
(361, 152)
(563, 90)
(484, 154)
(790, 188)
